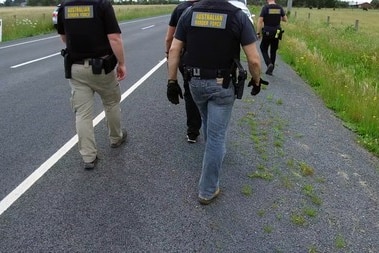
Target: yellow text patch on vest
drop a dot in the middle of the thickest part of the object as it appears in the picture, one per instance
(273, 11)
(209, 19)
(79, 11)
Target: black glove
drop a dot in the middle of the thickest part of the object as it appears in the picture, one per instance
(256, 88)
(174, 91)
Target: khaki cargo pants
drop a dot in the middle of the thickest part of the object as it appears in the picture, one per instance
(83, 86)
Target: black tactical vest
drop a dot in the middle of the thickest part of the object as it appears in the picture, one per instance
(273, 17)
(212, 40)
(84, 27)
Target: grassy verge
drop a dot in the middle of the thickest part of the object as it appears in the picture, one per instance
(21, 22)
(340, 61)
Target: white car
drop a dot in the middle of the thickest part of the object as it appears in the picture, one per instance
(242, 5)
(55, 16)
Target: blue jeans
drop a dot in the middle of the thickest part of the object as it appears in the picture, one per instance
(215, 105)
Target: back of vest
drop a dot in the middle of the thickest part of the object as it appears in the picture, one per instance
(212, 39)
(272, 16)
(84, 28)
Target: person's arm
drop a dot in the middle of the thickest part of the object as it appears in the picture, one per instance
(63, 38)
(174, 58)
(284, 16)
(259, 27)
(169, 37)
(117, 45)
(254, 61)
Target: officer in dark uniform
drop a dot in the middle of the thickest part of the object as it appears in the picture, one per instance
(94, 62)
(192, 112)
(270, 31)
(213, 32)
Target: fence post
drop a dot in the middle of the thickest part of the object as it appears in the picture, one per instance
(1, 30)
(356, 24)
(309, 16)
(328, 20)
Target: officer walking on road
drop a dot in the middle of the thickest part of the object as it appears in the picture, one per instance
(192, 112)
(94, 62)
(270, 31)
(212, 32)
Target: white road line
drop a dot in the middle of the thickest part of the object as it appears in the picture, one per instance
(27, 42)
(29, 62)
(38, 173)
(147, 27)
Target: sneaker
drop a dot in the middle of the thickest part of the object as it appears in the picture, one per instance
(91, 165)
(270, 68)
(205, 201)
(192, 138)
(123, 139)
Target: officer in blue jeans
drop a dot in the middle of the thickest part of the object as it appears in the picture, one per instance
(213, 32)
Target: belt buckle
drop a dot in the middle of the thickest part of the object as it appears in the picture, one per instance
(195, 72)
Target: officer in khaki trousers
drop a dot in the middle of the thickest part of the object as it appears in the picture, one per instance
(94, 62)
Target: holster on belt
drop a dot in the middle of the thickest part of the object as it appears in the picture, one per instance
(186, 73)
(67, 63)
(109, 63)
(239, 80)
(98, 64)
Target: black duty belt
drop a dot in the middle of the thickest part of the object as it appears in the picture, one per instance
(90, 60)
(203, 73)
(82, 62)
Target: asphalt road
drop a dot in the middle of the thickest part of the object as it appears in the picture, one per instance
(294, 178)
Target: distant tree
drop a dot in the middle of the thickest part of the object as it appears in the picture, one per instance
(316, 3)
(8, 3)
(375, 4)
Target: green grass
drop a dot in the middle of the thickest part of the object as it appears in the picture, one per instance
(340, 242)
(347, 60)
(268, 229)
(265, 175)
(298, 219)
(247, 190)
(310, 212)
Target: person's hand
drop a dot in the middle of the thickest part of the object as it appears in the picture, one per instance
(121, 72)
(256, 87)
(174, 91)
